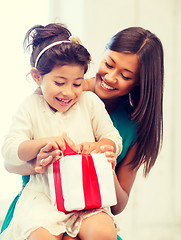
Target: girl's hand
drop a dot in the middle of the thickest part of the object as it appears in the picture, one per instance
(110, 154)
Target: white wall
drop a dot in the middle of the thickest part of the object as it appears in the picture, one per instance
(154, 208)
(16, 17)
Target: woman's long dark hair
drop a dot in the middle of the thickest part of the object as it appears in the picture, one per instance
(147, 98)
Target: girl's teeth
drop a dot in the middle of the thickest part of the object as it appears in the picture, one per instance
(66, 101)
(63, 100)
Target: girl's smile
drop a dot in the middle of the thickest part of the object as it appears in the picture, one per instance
(64, 102)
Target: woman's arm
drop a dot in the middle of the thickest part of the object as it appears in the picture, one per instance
(124, 179)
(26, 168)
(89, 84)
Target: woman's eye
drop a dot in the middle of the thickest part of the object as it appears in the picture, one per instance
(108, 65)
(126, 78)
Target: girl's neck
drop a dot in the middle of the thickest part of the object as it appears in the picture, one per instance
(111, 104)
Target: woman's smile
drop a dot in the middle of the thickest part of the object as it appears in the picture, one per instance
(105, 86)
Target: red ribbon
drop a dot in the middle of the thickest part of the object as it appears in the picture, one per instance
(91, 188)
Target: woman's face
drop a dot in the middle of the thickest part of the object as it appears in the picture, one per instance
(117, 74)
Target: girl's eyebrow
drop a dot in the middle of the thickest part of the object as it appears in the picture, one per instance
(124, 68)
(64, 78)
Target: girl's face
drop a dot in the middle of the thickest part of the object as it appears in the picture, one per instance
(117, 74)
(62, 86)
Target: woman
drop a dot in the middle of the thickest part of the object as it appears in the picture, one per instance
(130, 83)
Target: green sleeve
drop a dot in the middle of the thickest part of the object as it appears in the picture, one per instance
(10, 211)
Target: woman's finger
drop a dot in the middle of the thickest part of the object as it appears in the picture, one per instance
(45, 161)
(105, 148)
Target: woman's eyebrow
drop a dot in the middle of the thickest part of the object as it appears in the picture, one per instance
(112, 59)
(128, 70)
(124, 68)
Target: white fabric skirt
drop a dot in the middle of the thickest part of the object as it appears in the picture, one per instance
(34, 210)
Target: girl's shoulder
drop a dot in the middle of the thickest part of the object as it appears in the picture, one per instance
(32, 103)
(32, 98)
(90, 98)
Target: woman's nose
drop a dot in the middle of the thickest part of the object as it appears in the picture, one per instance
(110, 78)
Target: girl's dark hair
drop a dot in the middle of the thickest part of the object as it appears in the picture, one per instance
(148, 96)
(38, 37)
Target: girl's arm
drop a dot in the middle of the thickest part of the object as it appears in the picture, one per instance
(29, 149)
(124, 179)
(36, 165)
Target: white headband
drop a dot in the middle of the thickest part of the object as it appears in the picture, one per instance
(46, 48)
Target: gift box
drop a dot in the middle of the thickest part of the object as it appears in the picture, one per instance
(81, 181)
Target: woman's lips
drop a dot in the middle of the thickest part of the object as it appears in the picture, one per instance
(105, 86)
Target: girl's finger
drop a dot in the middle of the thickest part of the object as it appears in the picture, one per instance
(46, 148)
(69, 142)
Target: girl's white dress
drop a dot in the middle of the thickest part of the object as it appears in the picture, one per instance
(86, 121)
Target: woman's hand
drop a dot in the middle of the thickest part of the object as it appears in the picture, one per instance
(45, 157)
(110, 154)
(97, 147)
(88, 147)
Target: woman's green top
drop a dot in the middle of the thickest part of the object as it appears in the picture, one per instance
(127, 130)
(126, 127)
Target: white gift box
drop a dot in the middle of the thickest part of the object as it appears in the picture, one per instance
(79, 182)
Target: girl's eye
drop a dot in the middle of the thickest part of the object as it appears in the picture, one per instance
(108, 65)
(77, 84)
(58, 83)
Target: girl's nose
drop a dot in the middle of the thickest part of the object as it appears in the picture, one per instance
(67, 91)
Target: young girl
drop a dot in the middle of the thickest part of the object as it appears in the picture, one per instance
(58, 67)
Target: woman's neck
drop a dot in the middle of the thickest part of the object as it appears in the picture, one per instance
(111, 104)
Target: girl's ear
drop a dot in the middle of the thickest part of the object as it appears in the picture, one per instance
(36, 76)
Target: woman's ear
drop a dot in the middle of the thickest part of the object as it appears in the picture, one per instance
(36, 76)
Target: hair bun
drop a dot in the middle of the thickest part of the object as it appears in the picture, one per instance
(75, 39)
